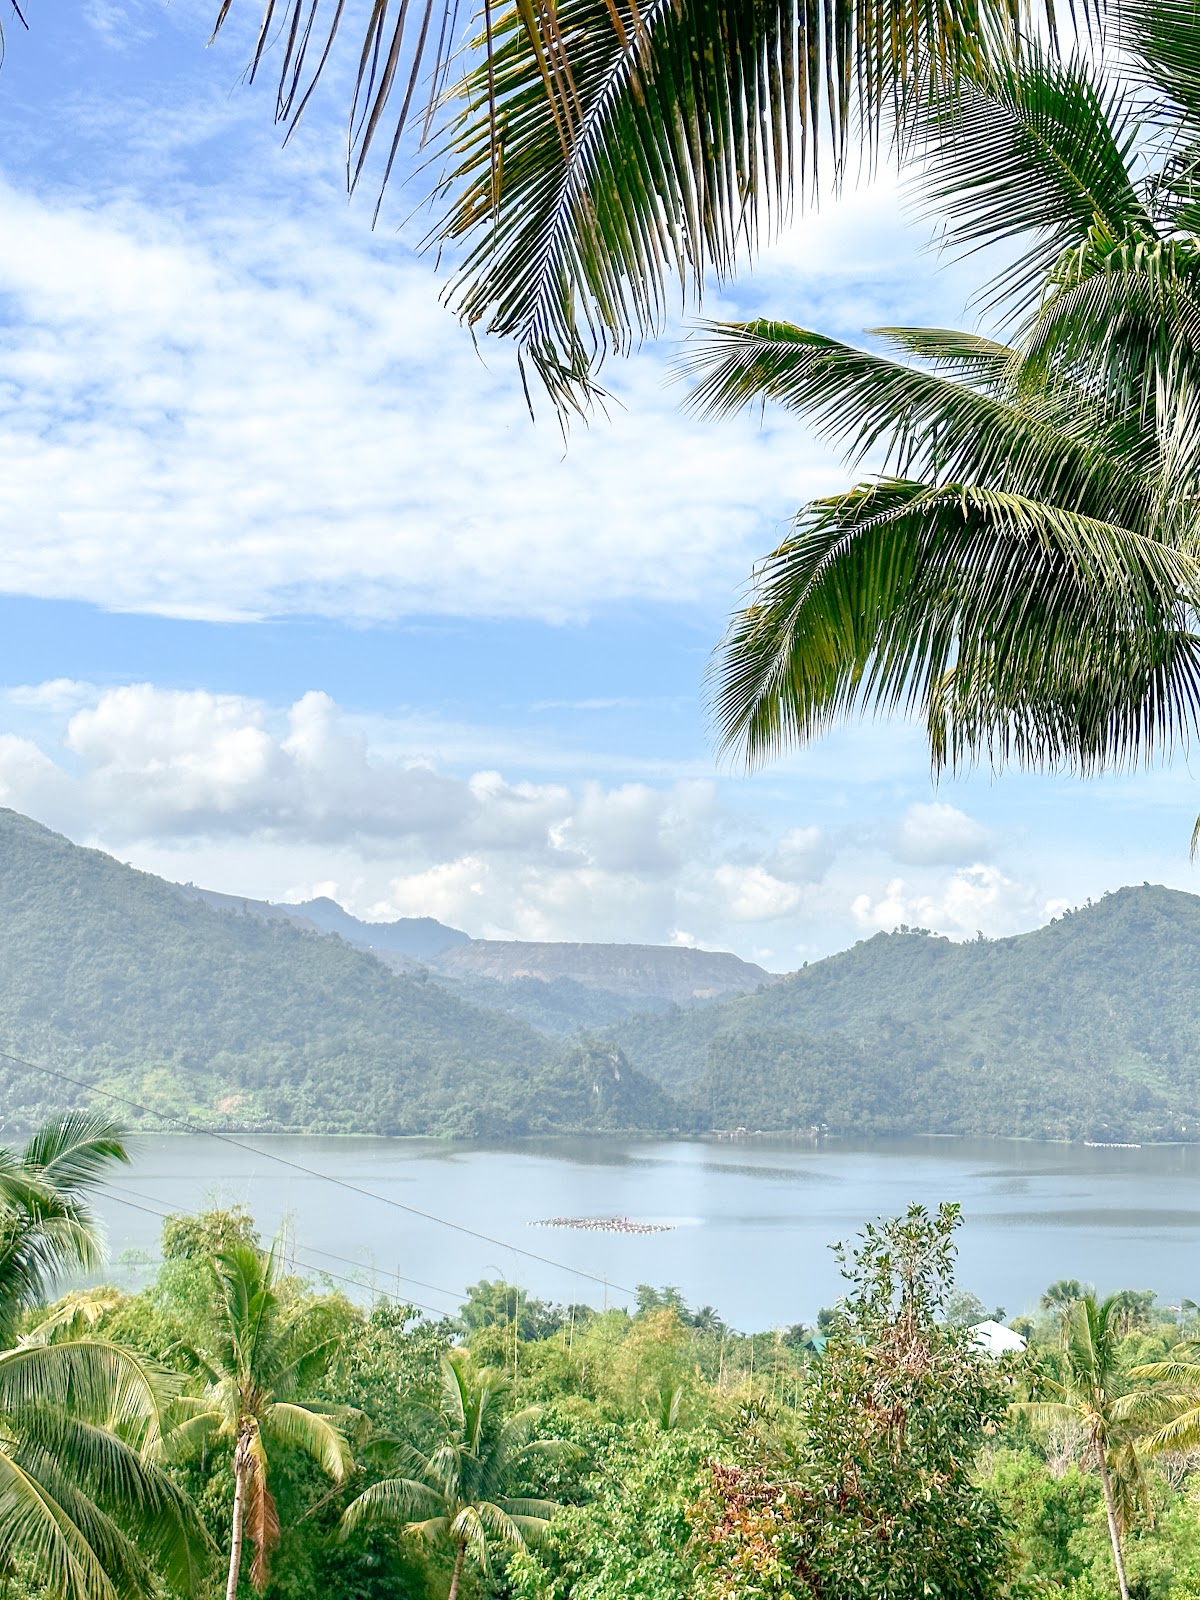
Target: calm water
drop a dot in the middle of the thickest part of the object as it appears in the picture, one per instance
(751, 1223)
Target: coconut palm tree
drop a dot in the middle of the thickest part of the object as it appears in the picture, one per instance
(81, 1504)
(258, 1358)
(1090, 1390)
(1168, 1408)
(467, 1491)
(47, 1227)
(1023, 574)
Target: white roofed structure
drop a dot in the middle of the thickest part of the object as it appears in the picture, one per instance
(995, 1338)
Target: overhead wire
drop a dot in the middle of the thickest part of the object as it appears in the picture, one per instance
(119, 1190)
(338, 1277)
(189, 1126)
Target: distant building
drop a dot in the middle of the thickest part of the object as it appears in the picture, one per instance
(995, 1338)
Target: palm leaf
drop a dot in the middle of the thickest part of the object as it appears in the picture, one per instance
(295, 1427)
(922, 424)
(1016, 629)
(1161, 40)
(390, 1502)
(72, 1153)
(605, 148)
(35, 1528)
(1031, 145)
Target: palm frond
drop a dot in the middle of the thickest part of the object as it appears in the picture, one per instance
(96, 1379)
(1032, 145)
(72, 1153)
(1016, 629)
(114, 1495)
(36, 1529)
(295, 1427)
(392, 1502)
(1161, 40)
(923, 424)
(606, 147)
(969, 357)
(1124, 316)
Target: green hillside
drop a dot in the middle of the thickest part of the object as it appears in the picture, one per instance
(117, 978)
(1087, 1028)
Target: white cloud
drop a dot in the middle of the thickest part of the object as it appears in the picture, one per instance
(936, 833)
(170, 771)
(285, 802)
(978, 898)
(260, 410)
(755, 895)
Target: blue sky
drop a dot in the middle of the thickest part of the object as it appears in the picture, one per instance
(295, 598)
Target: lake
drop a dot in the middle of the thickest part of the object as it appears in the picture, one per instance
(749, 1223)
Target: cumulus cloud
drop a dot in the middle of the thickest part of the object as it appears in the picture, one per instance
(978, 898)
(755, 895)
(175, 769)
(246, 411)
(287, 802)
(935, 833)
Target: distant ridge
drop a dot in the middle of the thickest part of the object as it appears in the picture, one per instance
(650, 972)
(225, 1010)
(210, 1009)
(558, 987)
(1088, 1028)
(420, 937)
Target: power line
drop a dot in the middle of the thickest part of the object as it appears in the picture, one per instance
(326, 1177)
(118, 1190)
(156, 1211)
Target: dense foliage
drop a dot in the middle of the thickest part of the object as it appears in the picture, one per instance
(530, 1451)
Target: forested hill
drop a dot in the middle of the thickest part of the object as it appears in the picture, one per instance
(114, 977)
(1089, 1027)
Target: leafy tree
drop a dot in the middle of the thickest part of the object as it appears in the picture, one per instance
(80, 1503)
(1046, 1512)
(630, 1534)
(492, 1303)
(1089, 1389)
(259, 1357)
(467, 1492)
(1063, 1293)
(879, 1497)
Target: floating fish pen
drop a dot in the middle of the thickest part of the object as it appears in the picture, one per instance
(602, 1224)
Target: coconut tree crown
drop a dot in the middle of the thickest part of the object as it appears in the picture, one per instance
(467, 1491)
(1022, 575)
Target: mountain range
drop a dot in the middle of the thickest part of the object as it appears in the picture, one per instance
(558, 988)
(189, 1005)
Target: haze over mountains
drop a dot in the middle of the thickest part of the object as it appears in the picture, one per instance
(238, 1013)
(557, 987)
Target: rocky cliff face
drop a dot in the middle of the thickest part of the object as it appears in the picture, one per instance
(655, 972)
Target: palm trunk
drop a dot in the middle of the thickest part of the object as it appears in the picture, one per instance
(1114, 1532)
(241, 1471)
(458, 1568)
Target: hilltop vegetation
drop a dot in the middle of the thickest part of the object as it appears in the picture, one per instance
(1088, 1028)
(113, 977)
(1085, 1028)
